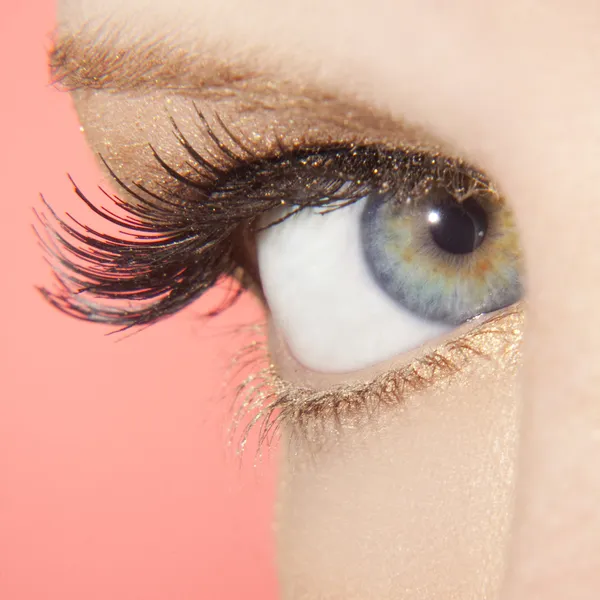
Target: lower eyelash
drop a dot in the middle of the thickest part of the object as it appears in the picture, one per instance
(266, 403)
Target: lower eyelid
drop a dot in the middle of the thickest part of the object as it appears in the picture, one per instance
(308, 404)
(484, 336)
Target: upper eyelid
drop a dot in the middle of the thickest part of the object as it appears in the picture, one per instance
(151, 224)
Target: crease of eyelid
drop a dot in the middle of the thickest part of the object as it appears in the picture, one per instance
(265, 403)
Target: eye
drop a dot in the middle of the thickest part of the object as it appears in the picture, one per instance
(375, 252)
(390, 272)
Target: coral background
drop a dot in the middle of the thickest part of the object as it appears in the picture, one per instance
(116, 481)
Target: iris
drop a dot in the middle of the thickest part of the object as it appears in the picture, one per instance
(444, 257)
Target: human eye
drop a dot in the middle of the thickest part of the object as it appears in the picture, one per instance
(360, 252)
(365, 248)
(426, 245)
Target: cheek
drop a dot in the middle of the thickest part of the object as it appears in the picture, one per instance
(415, 506)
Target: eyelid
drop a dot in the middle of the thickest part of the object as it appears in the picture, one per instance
(129, 123)
(317, 414)
(182, 228)
(88, 293)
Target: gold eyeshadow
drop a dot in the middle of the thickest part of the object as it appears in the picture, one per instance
(179, 220)
(225, 117)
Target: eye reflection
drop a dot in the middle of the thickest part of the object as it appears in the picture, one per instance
(458, 228)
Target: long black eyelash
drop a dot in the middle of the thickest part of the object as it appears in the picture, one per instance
(168, 249)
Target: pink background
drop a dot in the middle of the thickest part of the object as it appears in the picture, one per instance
(115, 478)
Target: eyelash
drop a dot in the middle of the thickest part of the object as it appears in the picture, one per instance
(266, 402)
(171, 247)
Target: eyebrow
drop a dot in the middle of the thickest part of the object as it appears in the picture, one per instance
(83, 61)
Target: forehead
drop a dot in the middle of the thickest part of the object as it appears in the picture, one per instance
(190, 21)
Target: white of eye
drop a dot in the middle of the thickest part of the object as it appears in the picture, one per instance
(322, 297)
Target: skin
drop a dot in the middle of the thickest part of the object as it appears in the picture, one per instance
(419, 503)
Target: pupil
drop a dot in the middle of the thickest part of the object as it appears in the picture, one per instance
(457, 227)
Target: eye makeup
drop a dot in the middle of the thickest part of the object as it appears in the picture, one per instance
(190, 220)
(178, 236)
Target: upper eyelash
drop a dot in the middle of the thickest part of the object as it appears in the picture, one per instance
(172, 247)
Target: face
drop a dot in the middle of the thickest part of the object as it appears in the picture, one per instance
(395, 320)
